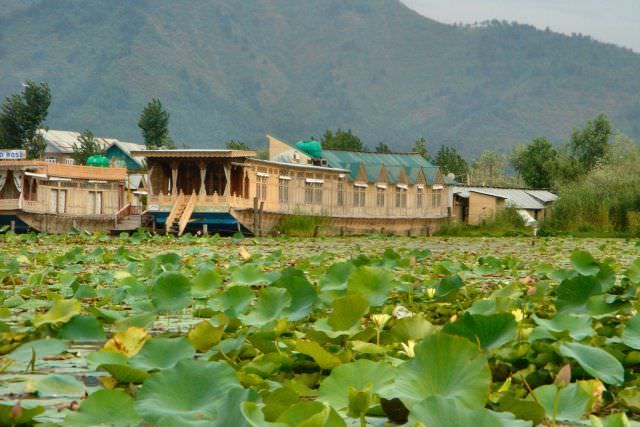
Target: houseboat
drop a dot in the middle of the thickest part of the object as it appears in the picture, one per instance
(59, 197)
(214, 190)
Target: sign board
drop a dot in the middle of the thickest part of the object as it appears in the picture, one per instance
(13, 154)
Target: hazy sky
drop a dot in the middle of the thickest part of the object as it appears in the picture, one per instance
(611, 21)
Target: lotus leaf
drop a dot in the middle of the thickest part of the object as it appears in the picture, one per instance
(60, 312)
(190, 394)
(490, 331)
(440, 411)
(446, 366)
(171, 292)
(105, 407)
(162, 353)
(360, 374)
(595, 361)
(373, 283)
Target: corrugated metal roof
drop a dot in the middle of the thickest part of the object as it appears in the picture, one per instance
(515, 197)
(373, 162)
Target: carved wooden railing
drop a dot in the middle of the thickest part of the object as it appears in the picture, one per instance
(122, 213)
(174, 211)
(9, 204)
(186, 215)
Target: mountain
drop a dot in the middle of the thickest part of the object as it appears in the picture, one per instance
(228, 69)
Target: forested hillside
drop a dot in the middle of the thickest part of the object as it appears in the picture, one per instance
(237, 70)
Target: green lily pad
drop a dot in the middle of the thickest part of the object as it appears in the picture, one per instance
(171, 292)
(248, 275)
(584, 263)
(631, 333)
(105, 407)
(82, 328)
(347, 312)
(61, 311)
(190, 394)
(360, 374)
(373, 283)
(206, 283)
(578, 326)
(336, 277)
(595, 361)
(572, 403)
(444, 365)
(56, 385)
(322, 357)
(412, 328)
(491, 331)
(439, 411)
(303, 295)
(236, 300)
(162, 353)
(269, 307)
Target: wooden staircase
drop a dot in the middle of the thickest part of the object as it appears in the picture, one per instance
(127, 220)
(180, 214)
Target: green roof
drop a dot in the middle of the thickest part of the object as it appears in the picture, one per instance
(373, 162)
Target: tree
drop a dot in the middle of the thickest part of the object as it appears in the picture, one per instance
(420, 147)
(589, 145)
(383, 148)
(342, 140)
(488, 169)
(154, 122)
(450, 161)
(21, 117)
(86, 147)
(237, 145)
(536, 163)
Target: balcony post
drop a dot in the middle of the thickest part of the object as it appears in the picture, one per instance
(174, 179)
(227, 175)
(203, 175)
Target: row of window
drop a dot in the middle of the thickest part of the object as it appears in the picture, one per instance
(58, 202)
(313, 194)
(54, 160)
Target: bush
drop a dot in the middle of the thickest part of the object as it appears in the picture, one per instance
(301, 225)
(506, 223)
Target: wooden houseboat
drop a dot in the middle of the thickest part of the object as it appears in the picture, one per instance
(58, 197)
(217, 190)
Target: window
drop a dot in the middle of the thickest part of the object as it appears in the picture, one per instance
(283, 189)
(436, 198)
(58, 201)
(359, 196)
(419, 194)
(95, 202)
(69, 161)
(50, 160)
(313, 192)
(340, 193)
(380, 197)
(261, 187)
(401, 197)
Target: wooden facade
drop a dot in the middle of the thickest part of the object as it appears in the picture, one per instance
(54, 197)
(218, 190)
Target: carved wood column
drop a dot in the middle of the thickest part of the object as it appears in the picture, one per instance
(227, 175)
(203, 176)
(150, 179)
(174, 179)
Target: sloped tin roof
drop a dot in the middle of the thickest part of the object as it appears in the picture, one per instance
(373, 162)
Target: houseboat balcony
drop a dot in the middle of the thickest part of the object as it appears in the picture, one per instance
(9, 204)
(66, 170)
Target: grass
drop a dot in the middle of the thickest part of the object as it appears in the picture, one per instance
(505, 224)
(300, 225)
